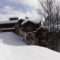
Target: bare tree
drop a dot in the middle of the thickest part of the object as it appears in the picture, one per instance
(49, 8)
(52, 12)
(57, 15)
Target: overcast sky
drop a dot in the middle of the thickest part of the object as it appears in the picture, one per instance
(18, 8)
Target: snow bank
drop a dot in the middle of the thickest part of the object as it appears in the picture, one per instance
(12, 51)
(27, 53)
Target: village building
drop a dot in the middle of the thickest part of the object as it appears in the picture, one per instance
(7, 26)
(28, 28)
(18, 27)
(41, 36)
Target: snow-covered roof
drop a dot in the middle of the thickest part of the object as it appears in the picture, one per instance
(36, 21)
(25, 21)
(7, 28)
(6, 22)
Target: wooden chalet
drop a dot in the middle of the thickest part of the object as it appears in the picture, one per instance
(28, 27)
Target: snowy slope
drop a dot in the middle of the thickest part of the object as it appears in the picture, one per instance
(13, 48)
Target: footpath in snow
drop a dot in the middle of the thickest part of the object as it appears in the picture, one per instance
(13, 48)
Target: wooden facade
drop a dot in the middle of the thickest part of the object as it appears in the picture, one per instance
(42, 36)
(55, 40)
(17, 28)
(7, 27)
(28, 28)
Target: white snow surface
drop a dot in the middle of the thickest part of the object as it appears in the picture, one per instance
(13, 48)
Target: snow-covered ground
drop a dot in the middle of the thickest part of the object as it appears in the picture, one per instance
(13, 48)
(10, 38)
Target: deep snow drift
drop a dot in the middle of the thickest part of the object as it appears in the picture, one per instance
(13, 48)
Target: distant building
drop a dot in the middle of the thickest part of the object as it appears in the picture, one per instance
(13, 18)
(42, 36)
(18, 26)
(28, 28)
(7, 25)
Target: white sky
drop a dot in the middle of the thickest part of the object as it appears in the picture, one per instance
(8, 9)
(11, 12)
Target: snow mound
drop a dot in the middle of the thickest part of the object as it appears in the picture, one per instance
(13, 48)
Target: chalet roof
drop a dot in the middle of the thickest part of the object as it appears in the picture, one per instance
(25, 21)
